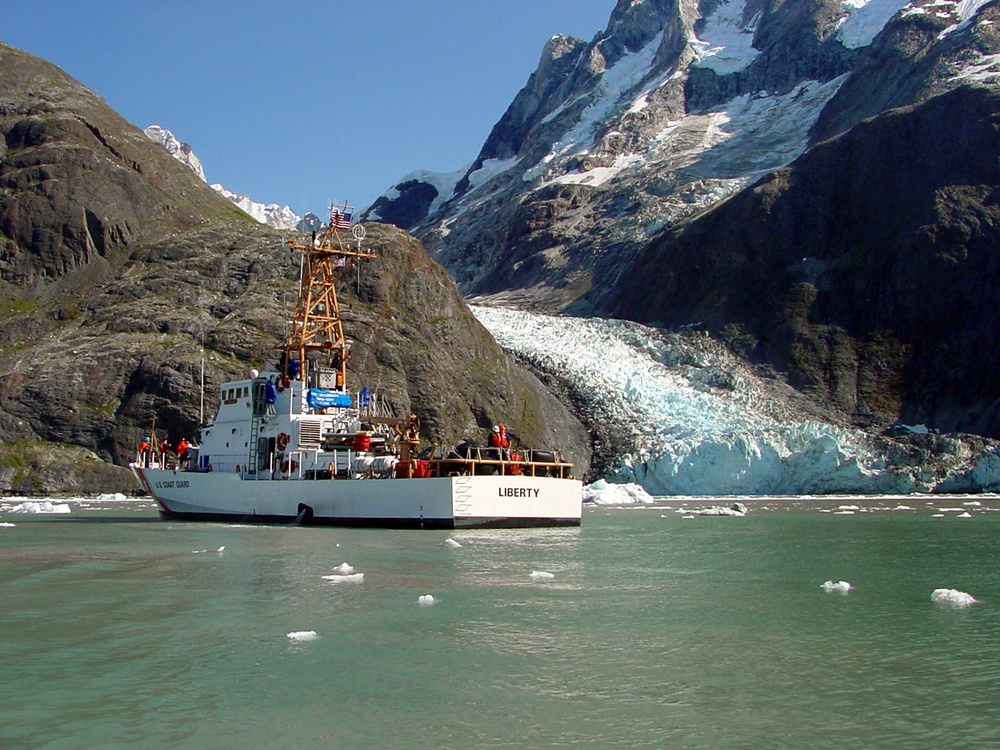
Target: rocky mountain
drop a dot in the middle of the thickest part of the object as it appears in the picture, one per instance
(812, 182)
(124, 279)
(279, 217)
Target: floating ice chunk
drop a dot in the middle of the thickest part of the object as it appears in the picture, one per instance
(220, 550)
(7, 525)
(952, 596)
(45, 506)
(541, 575)
(964, 515)
(973, 503)
(736, 509)
(109, 497)
(344, 569)
(902, 507)
(425, 600)
(302, 635)
(839, 587)
(604, 493)
(449, 542)
(848, 507)
(844, 513)
(345, 578)
(938, 515)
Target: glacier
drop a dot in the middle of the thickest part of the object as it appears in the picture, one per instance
(693, 419)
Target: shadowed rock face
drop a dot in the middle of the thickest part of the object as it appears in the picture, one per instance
(867, 270)
(123, 278)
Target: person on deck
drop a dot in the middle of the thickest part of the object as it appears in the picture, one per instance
(144, 451)
(499, 437)
(270, 397)
(165, 451)
(183, 451)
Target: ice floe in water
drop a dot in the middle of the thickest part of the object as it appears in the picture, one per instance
(7, 525)
(836, 587)
(449, 542)
(736, 509)
(952, 596)
(541, 575)
(220, 550)
(605, 493)
(344, 573)
(110, 497)
(425, 600)
(345, 578)
(44, 506)
(302, 635)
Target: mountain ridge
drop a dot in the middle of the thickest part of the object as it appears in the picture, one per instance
(124, 279)
(673, 118)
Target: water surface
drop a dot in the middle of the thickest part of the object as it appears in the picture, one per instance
(121, 630)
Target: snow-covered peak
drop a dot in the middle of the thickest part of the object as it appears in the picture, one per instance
(180, 151)
(279, 217)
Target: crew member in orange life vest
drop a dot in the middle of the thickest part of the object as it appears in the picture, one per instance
(499, 437)
(144, 451)
(183, 450)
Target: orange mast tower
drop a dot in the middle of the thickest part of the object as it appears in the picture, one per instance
(316, 324)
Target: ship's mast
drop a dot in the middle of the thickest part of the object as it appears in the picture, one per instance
(316, 324)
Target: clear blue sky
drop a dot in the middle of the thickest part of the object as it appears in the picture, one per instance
(304, 102)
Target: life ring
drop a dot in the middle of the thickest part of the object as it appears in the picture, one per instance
(282, 441)
(281, 383)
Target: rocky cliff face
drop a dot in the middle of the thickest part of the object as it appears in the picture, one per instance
(663, 171)
(124, 277)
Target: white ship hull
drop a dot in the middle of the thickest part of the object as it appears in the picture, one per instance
(434, 502)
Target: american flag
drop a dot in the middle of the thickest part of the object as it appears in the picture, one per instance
(340, 220)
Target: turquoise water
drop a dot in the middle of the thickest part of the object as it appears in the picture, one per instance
(656, 631)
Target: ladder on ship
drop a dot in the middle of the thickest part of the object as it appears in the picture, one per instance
(259, 409)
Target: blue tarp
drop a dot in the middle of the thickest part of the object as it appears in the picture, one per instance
(320, 399)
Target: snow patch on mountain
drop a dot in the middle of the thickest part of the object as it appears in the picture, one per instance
(725, 44)
(982, 68)
(865, 19)
(615, 82)
(756, 133)
(700, 421)
(443, 182)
